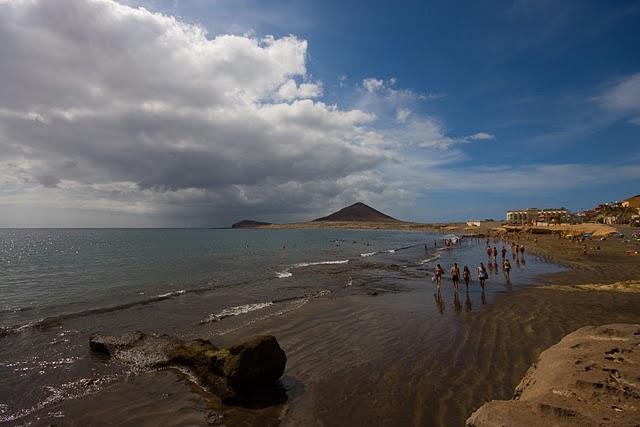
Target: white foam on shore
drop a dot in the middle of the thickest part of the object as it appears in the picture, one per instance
(368, 254)
(309, 264)
(391, 251)
(428, 260)
(171, 294)
(286, 273)
(283, 274)
(236, 311)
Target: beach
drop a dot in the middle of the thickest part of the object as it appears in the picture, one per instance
(425, 376)
(381, 349)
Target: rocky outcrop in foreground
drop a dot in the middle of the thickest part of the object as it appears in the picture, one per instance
(245, 373)
(591, 377)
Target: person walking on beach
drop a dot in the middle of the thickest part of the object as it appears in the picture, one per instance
(482, 275)
(438, 275)
(503, 252)
(466, 275)
(506, 266)
(495, 253)
(489, 252)
(455, 275)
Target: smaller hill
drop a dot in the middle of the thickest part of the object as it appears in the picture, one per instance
(358, 212)
(247, 223)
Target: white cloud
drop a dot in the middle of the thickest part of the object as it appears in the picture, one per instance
(403, 114)
(107, 107)
(291, 90)
(372, 85)
(623, 97)
(481, 136)
(526, 178)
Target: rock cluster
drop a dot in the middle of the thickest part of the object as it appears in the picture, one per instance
(591, 377)
(245, 373)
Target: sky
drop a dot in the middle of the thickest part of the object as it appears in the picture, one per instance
(202, 113)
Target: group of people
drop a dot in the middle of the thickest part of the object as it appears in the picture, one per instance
(517, 252)
(483, 275)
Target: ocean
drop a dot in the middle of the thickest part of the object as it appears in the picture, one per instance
(59, 286)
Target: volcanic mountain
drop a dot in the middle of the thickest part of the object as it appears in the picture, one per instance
(358, 212)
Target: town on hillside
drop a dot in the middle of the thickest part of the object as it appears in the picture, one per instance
(619, 212)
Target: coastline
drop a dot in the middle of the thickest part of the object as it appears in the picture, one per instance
(483, 360)
(362, 359)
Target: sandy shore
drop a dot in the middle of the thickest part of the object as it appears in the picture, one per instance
(417, 378)
(388, 360)
(589, 378)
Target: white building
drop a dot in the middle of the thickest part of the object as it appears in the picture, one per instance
(534, 216)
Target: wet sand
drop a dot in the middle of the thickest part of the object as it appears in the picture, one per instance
(391, 359)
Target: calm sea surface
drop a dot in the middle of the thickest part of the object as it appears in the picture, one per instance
(58, 286)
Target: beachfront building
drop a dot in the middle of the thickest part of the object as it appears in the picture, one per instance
(523, 216)
(536, 216)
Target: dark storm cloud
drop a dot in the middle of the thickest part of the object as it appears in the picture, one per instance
(125, 109)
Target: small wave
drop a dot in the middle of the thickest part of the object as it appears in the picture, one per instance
(235, 311)
(286, 273)
(428, 260)
(368, 254)
(171, 294)
(297, 301)
(293, 304)
(51, 321)
(8, 309)
(309, 264)
(283, 274)
(391, 251)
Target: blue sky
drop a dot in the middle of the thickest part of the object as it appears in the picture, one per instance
(477, 107)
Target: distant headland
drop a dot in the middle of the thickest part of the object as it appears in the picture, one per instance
(247, 223)
(357, 215)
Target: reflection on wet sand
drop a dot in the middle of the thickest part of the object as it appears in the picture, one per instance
(467, 302)
(439, 301)
(457, 305)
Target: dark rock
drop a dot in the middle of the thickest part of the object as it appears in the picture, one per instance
(259, 361)
(243, 373)
(107, 344)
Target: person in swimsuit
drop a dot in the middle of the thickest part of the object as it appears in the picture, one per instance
(438, 275)
(506, 266)
(455, 275)
(503, 252)
(489, 251)
(466, 275)
(482, 275)
(495, 253)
